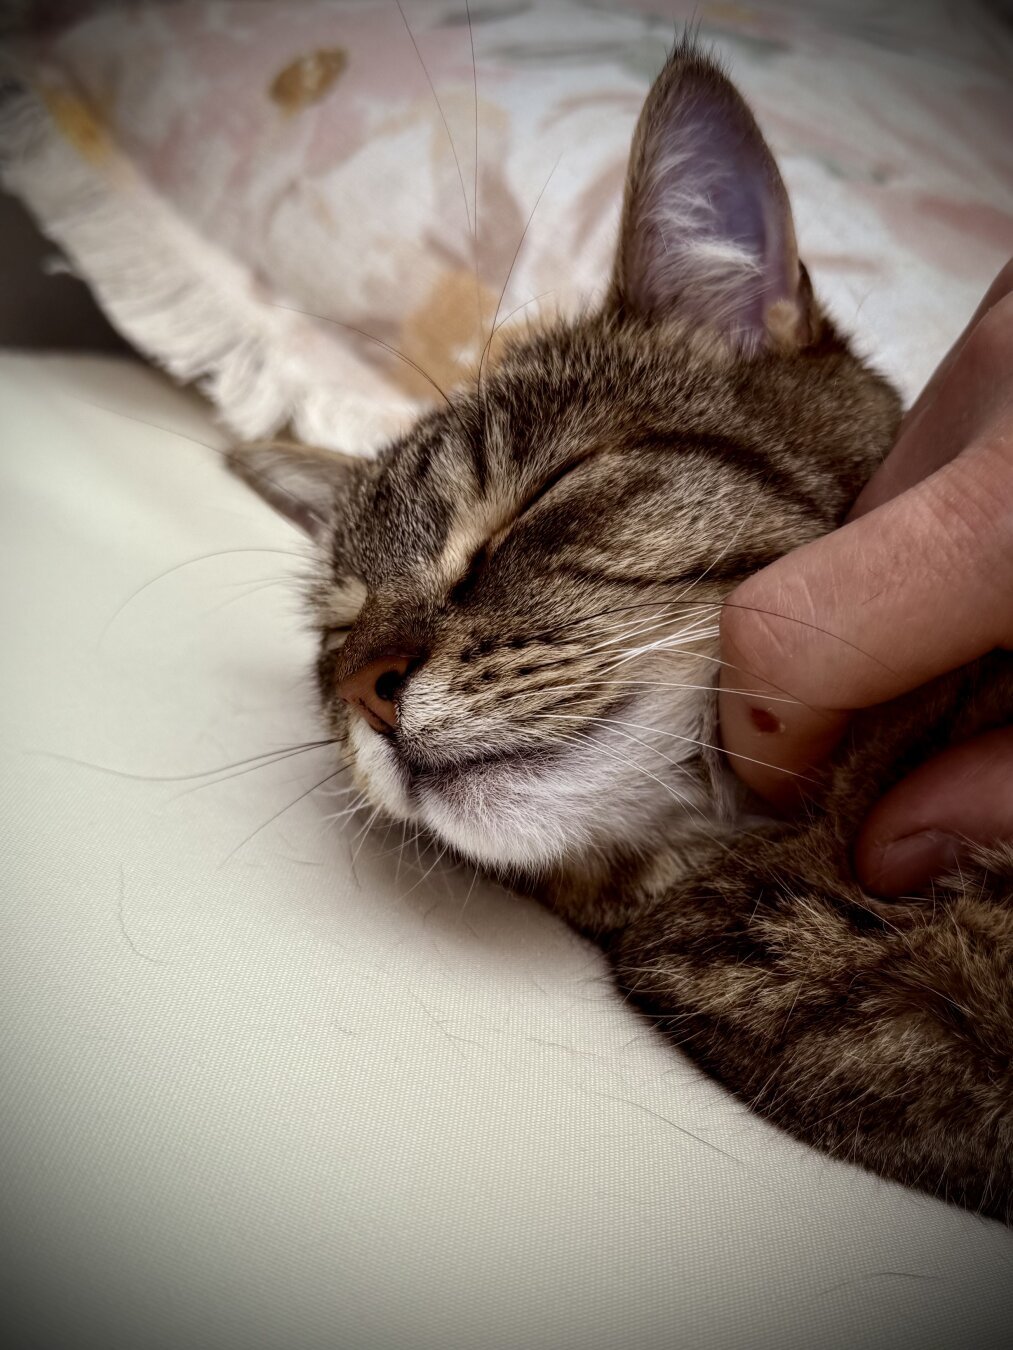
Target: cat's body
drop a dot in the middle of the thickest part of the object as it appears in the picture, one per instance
(520, 598)
(879, 1032)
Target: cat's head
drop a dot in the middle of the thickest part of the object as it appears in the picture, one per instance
(519, 599)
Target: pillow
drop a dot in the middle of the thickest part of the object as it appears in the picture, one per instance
(322, 211)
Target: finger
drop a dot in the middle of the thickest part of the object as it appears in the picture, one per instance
(970, 390)
(919, 586)
(1001, 286)
(922, 827)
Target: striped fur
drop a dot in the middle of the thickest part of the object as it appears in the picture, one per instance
(552, 549)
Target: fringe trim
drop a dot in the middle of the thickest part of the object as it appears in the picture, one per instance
(182, 301)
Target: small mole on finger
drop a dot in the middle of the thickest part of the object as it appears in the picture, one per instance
(764, 720)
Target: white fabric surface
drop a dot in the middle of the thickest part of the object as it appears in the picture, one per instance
(268, 1099)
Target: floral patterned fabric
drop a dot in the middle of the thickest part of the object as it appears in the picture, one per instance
(322, 209)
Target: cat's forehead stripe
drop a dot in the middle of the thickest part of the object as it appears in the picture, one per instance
(471, 526)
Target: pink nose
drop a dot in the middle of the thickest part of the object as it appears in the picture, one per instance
(370, 690)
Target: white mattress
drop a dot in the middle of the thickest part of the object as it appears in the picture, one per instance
(262, 1095)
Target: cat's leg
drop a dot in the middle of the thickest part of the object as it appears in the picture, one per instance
(882, 1034)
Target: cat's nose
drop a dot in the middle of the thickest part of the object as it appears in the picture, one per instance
(370, 690)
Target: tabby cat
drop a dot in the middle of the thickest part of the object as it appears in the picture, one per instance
(518, 605)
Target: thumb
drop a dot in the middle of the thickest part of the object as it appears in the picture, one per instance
(916, 587)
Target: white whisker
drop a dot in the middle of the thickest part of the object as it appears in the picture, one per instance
(662, 684)
(674, 735)
(581, 738)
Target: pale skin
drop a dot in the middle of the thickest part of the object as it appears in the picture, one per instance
(917, 582)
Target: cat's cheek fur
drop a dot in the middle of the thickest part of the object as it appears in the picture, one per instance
(527, 812)
(527, 817)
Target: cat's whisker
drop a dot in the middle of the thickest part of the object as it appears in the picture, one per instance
(405, 843)
(371, 337)
(701, 631)
(661, 684)
(785, 695)
(474, 86)
(815, 627)
(253, 589)
(358, 834)
(262, 760)
(349, 810)
(439, 106)
(671, 642)
(640, 768)
(428, 872)
(241, 773)
(715, 604)
(676, 644)
(646, 745)
(582, 739)
(146, 422)
(517, 309)
(689, 625)
(474, 880)
(474, 191)
(180, 566)
(674, 735)
(363, 834)
(625, 631)
(399, 851)
(333, 817)
(284, 580)
(665, 612)
(287, 807)
(746, 519)
(471, 215)
(612, 610)
(223, 454)
(510, 270)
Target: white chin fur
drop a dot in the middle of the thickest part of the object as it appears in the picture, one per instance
(525, 816)
(378, 771)
(518, 816)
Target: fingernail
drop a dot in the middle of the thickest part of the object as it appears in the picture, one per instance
(905, 864)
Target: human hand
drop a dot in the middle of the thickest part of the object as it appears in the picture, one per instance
(917, 582)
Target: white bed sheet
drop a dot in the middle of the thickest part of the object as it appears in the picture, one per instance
(257, 1095)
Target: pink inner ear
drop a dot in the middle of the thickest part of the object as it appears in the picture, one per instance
(710, 233)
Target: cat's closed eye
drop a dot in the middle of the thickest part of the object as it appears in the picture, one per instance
(541, 564)
(519, 605)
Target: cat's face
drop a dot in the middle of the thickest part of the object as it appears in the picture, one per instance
(518, 601)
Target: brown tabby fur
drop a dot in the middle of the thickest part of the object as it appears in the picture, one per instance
(618, 474)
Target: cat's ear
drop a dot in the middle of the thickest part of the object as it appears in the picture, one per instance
(706, 232)
(300, 482)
